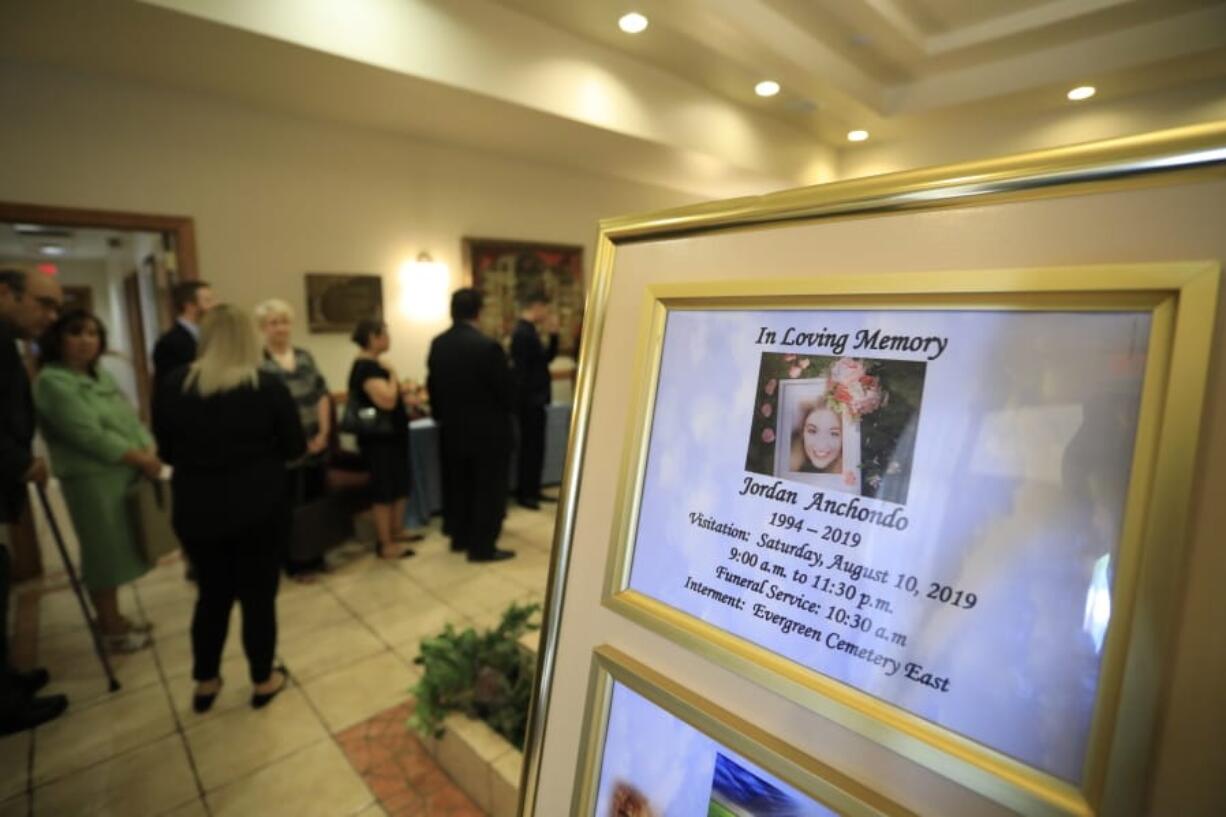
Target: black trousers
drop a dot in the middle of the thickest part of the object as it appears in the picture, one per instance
(531, 453)
(6, 571)
(244, 567)
(303, 484)
(477, 497)
(11, 699)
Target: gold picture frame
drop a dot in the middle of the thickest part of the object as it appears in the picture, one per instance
(1180, 299)
(1166, 158)
(610, 666)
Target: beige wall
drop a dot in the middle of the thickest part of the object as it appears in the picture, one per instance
(275, 196)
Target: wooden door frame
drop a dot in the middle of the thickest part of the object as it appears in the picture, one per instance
(183, 227)
(136, 336)
(27, 561)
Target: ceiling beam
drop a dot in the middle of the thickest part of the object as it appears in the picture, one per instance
(1187, 34)
(1009, 25)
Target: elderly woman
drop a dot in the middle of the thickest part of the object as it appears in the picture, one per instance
(98, 450)
(296, 368)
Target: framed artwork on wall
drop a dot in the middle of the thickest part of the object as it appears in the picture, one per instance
(336, 302)
(503, 271)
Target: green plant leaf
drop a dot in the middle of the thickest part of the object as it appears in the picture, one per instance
(483, 675)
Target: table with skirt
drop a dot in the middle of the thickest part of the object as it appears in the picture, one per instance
(425, 483)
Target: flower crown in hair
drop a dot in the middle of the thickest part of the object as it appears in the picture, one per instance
(852, 390)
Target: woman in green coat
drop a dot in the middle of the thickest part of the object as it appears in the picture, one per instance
(98, 450)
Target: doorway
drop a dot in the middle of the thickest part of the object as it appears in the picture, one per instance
(121, 267)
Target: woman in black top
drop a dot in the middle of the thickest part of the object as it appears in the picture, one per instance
(373, 385)
(228, 430)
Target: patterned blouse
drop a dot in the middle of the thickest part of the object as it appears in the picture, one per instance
(306, 386)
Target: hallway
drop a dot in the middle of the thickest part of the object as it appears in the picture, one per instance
(349, 642)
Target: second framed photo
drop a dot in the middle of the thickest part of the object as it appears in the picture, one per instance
(654, 748)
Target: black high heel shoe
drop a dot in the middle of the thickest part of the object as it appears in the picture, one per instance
(259, 700)
(203, 703)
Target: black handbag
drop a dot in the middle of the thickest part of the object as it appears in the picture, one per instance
(367, 421)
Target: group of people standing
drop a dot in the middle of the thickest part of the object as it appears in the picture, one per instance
(246, 427)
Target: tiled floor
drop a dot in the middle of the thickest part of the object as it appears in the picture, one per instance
(349, 643)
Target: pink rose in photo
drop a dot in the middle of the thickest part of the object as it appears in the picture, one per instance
(847, 370)
(788, 358)
(769, 388)
(850, 478)
(794, 371)
(851, 386)
(805, 363)
(768, 435)
(767, 408)
(866, 396)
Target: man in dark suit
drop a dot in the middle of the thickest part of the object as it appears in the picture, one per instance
(470, 395)
(177, 347)
(534, 391)
(29, 304)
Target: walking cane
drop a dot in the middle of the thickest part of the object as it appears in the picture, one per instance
(76, 588)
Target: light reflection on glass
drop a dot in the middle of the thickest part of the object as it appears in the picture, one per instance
(1098, 602)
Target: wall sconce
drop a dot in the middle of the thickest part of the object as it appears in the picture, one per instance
(424, 288)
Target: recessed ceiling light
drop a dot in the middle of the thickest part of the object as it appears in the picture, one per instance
(53, 249)
(857, 135)
(767, 87)
(1082, 92)
(632, 23)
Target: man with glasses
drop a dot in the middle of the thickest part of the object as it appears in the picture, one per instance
(29, 303)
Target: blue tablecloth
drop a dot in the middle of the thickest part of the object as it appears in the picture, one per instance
(426, 493)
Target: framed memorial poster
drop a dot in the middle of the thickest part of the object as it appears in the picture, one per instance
(704, 760)
(905, 496)
(918, 475)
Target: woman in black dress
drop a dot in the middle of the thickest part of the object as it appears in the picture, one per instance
(383, 438)
(228, 430)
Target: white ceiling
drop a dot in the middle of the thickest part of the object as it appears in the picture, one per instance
(555, 81)
(875, 64)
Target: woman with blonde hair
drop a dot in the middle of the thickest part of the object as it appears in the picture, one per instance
(228, 429)
(295, 367)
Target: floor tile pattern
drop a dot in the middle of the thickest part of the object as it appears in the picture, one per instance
(335, 744)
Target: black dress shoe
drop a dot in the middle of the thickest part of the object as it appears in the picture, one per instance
(32, 713)
(530, 504)
(31, 681)
(496, 556)
(259, 700)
